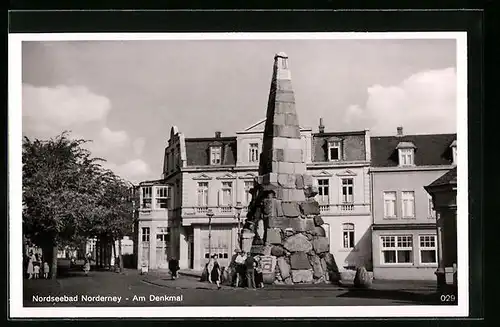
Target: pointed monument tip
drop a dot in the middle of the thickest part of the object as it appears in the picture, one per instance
(281, 54)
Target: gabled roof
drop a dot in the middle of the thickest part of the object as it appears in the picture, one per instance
(450, 178)
(431, 149)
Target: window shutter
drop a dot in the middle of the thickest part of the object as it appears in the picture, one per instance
(219, 198)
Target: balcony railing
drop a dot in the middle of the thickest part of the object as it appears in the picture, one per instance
(218, 211)
(345, 208)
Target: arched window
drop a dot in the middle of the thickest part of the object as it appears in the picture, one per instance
(348, 236)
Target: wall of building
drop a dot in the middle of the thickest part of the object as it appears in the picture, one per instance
(406, 271)
(399, 181)
(361, 254)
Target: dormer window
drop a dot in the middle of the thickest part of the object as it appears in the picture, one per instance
(453, 147)
(334, 150)
(215, 155)
(406, 153)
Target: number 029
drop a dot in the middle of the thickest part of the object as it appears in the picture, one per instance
(447, 298)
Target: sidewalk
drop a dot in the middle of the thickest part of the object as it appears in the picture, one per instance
(189, 279)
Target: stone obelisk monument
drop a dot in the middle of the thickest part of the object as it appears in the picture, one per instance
(283, 223)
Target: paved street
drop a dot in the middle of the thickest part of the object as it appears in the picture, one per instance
(132, 289)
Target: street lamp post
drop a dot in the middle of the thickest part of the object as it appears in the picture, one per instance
(238, 208)
(210, 214)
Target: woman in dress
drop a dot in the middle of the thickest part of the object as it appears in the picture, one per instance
(215, 272)
(30, 269)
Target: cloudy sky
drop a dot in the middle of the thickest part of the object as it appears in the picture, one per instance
(126, 95)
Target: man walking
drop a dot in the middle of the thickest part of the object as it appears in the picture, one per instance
(173, 266)
(250, 273)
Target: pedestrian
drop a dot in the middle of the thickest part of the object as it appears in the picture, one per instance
(173, 266)
(240, 268)
(46, 270)
(86, 265)
(250, 272)
(30, 269)
(214, 271)
(233, 274)
(259, 278)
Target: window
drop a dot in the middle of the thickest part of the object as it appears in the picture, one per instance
(389, 204)
(162, 234)
(428, 250)
(227, 192)
(202, 194)
(432, 213)
(323, 190)
(146, 197)
(253, 152)
(405, 157)
(215, 155)
(347, 190)
(334, 151)
(397, 249)
(348, 236)
(162, 197)
(145, 234)
(248, 195)
(408, 204)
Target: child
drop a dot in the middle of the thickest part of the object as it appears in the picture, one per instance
(45, 270)
(37, 271)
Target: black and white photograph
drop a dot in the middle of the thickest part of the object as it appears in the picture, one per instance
(238, 174)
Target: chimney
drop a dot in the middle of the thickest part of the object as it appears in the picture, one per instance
(217, 134)
(400, 131)
(321, 127)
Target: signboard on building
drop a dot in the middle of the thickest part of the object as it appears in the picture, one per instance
(268, 263)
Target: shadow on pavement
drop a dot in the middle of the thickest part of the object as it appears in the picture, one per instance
(396, 295)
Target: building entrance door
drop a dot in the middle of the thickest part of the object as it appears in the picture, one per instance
(220, 244)
(162, 248)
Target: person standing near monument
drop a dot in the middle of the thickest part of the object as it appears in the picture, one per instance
(173, 266)
(250, 270)
(259, 279)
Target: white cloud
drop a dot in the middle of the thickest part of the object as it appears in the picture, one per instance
(134, 170)
(425, 102)
(63, 107)
(113, 138)
(138, 145)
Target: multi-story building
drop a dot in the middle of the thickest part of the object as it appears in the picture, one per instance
(404, 238)
(202, 174)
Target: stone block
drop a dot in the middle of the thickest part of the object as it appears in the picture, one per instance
(299, 261)
(278, 207)
(284, 267)
(277, 251)
(290, 209)
(293, 155)
(283, 180)
(295, 195)
(270, 178)
(308, 180)
(273, 236)
(278, 155)
(268, 278)
(291, 119)
(302, 276)
(260, 229)
(297, 243)
(267, 249)
(320, 244)
(294, 144)
(315, 262)
(289, 232)
(362, 279)
(319, 231)
(257, 249)
(279, 222)
(280, 143)
(310, 191)
(299, 167)
(318, 221)
(331, 267)
(301, 224)
(279, 119)
(279, 193)
(285, 167)
(299, 181)
(324, 268)
(310, 207)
